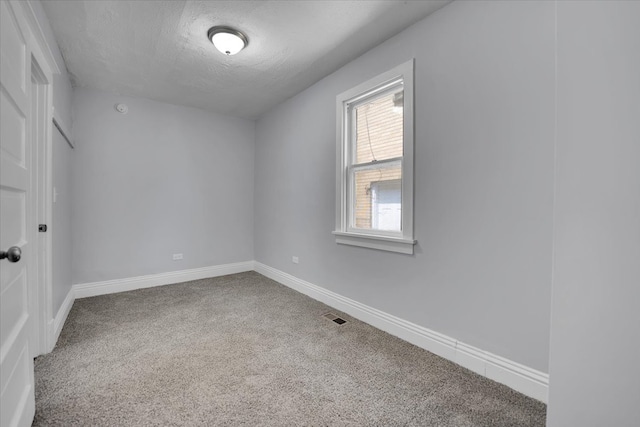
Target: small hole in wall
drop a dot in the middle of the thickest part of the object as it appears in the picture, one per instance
(122, 108)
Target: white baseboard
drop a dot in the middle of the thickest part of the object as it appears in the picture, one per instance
(85, 290)
(61, 316)
(521, 378)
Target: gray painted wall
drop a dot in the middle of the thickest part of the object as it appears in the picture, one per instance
(595, 334)
(484, 123)
(160, 180)
(61, 229)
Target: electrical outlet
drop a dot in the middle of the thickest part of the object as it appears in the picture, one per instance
(295, 259)
(177, 257)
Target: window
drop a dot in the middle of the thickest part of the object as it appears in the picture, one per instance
(374, 184)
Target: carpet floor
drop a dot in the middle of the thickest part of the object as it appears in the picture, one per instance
(245, 350)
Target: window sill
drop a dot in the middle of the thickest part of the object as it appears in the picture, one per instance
(391, 244)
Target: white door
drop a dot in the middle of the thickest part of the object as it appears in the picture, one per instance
(17, 402)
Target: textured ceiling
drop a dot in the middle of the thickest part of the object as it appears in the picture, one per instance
(159, 49)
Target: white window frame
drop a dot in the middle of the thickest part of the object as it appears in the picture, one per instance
(394, 241)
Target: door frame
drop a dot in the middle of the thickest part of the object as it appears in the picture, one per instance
(41, 301)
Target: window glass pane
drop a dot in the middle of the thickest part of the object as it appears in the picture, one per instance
(378, 199)
(379, 128)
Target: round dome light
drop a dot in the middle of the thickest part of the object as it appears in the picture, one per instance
(227, 40)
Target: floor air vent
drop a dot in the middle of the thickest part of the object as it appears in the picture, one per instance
(334, 318)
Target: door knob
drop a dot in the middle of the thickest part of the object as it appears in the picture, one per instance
(13, 254)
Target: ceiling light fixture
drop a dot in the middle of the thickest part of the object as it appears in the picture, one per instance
(227, 40)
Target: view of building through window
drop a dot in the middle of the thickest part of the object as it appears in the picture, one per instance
(378, 189)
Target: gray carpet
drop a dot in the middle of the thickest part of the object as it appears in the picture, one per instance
(245, 350)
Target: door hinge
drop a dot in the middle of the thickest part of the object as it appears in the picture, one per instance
(42, 228)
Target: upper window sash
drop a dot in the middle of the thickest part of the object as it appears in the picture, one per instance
(392, 87)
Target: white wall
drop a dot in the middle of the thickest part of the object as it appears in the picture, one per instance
(595, 335)
(160, 180)
(484, 126)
